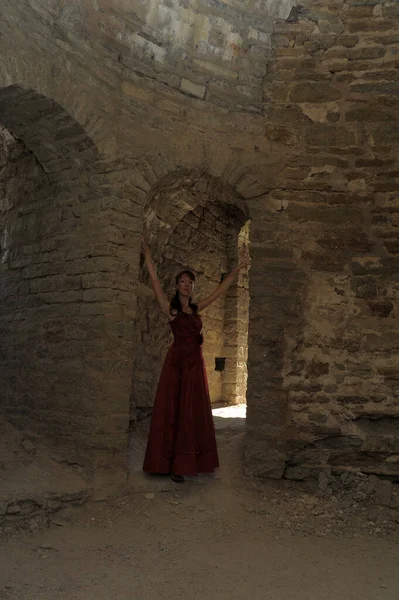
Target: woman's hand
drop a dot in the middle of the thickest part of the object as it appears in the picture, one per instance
(244, 264)
(159, 293)
(145, 247)
(146, 250)
(223, 287)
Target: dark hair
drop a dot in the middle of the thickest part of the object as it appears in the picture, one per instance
(175, 305)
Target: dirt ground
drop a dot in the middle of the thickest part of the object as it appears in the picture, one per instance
(225, 537)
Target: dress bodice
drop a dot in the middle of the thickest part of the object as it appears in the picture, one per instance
(187, 330)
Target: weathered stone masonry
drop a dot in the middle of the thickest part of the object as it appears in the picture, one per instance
(61, 314)
(332, 94)
(292, 113)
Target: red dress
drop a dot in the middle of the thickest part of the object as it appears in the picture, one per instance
(182, 434)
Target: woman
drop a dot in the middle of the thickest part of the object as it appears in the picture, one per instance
(182, 439)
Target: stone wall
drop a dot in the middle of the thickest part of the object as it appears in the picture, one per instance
(209, 49)
(332, 94)
(235, 374)
(308, 153)
(62, 307)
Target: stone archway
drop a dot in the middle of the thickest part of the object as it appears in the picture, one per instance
(193, 220)
(93, 234)
(62, 308)
(276, 283)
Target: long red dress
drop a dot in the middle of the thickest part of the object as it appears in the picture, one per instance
(182, 434)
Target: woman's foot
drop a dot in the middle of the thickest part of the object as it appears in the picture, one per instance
(177, 478)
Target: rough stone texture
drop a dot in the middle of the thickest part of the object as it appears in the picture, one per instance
(296, 126)
(57, 312)
(335, 351)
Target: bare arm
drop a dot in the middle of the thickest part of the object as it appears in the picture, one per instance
(222, 288)
(158, 291)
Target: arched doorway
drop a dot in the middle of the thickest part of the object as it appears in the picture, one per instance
(194, 221)
(60, 315)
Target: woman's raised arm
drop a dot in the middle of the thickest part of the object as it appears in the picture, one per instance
(160, 296)
(223, 287)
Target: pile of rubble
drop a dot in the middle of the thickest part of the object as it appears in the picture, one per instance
(357, 487)
(346, 505)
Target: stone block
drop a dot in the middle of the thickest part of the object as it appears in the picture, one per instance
(383, 492)
(280, 41)
(374, 342)
(389, 10)
(290, 52)
(355, 54)
(329, 135)
(55, 284)
(373, 24)
(214, 69)
(380, 308)
(259, 38)
(256, 68)
(251, 92)
(314, 93)
(294, 27)
(392, 245)
(296, 473)
(59, 297)
(193, 89)
(369, 113)
(349, 41)
(331, 25)
(340, 198)
(359, 11)
(377, 88)
(323, 112)
(281, 135)
(315, 44)
(365, 287)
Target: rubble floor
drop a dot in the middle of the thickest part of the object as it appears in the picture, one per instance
(224, 537)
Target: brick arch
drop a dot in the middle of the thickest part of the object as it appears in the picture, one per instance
(276, 297)
(182, 192)
(172, 206)
(61, 303)
(24, 67)
(47, 130)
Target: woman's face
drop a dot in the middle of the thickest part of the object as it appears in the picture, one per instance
(185, 285)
